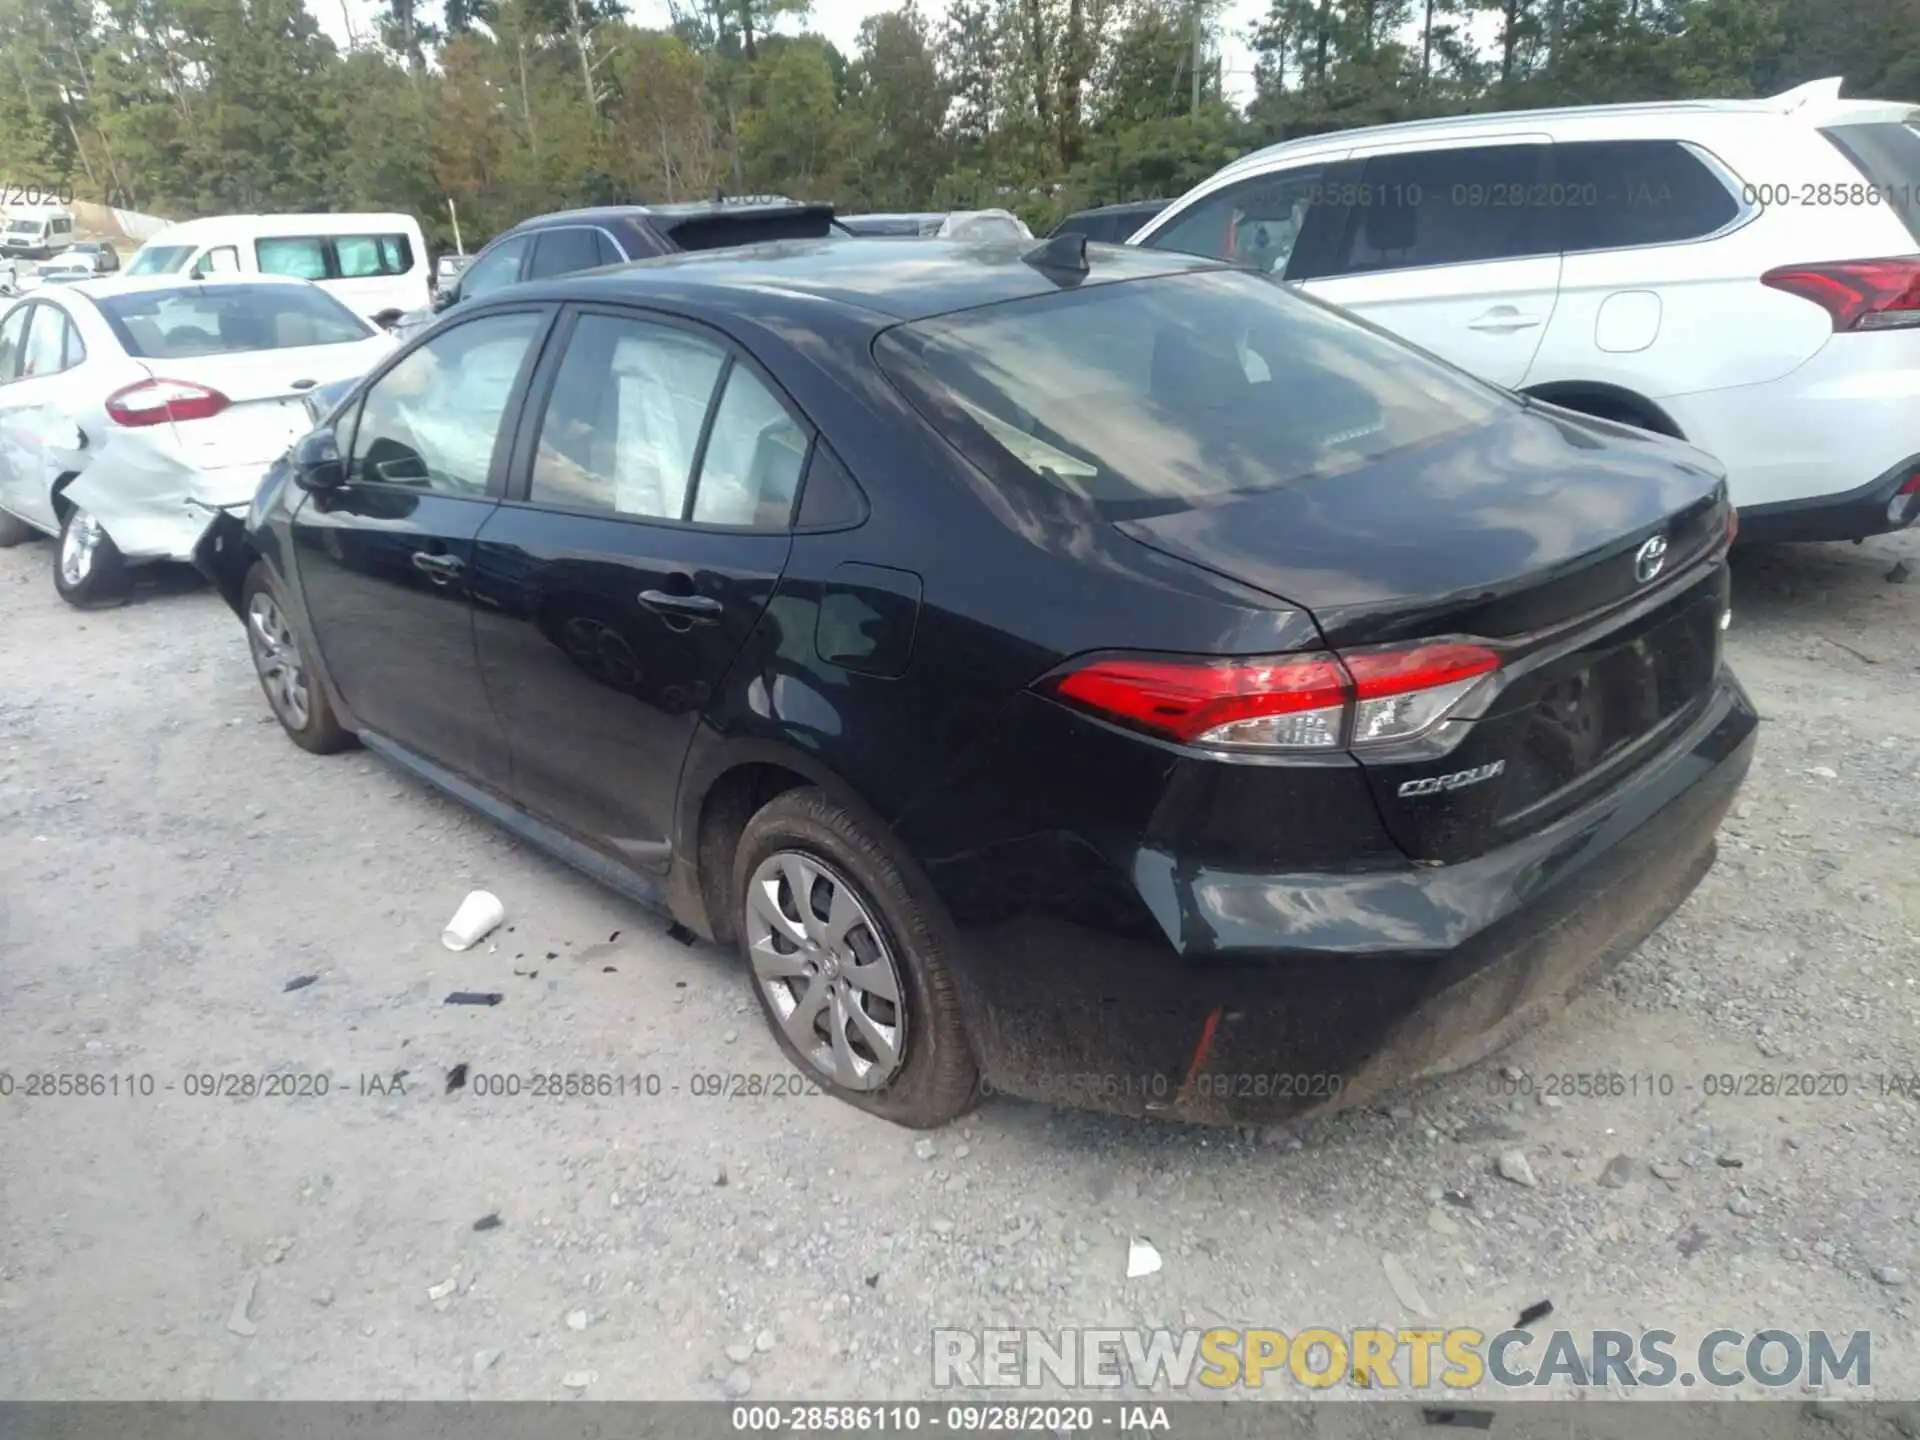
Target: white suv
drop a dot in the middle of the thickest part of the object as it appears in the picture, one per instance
(1743, 274)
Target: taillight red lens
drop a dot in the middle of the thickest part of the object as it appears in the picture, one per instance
(154, 402)
(1315, 701)
(1858, 294)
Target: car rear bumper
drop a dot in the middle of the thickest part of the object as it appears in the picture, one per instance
(1325, 990)
(1879, 506)
(155, 508)
(1818, 434)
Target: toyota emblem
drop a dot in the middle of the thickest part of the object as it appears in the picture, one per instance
(1649, 559)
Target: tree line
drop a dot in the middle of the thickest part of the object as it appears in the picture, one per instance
(513, 107)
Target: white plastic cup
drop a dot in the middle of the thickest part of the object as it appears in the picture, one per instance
(477, 916)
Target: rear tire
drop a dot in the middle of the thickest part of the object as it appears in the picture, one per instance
(13, 531)
(88, 569)
(853, 967)
(293, 690)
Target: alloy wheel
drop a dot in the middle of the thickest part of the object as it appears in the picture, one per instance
(77, 546)
(276, 657)
(824, 964)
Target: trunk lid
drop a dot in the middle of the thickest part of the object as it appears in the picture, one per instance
(1536, 534)
(268, 392)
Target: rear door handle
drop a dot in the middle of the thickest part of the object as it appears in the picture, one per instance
(1502, 319)
(439, 568)
(694, 607)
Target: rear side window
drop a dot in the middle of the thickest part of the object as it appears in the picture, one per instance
(1161, 394)
(359, 257)
(303, 257)
(160, 259)
(565, 250)
(1888, 155)
(1440, 207)
(224, 319)
(1615, 194)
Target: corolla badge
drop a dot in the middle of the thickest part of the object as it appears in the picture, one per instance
(1436, 784)
(1650, 559)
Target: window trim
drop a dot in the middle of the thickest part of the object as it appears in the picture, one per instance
(510, 417)
(533, 414)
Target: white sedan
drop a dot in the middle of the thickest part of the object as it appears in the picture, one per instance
(133, 410)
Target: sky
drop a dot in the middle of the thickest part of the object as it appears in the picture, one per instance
(839, 21)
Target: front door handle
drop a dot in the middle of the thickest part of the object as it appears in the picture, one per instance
(1503, 319)
(693, 607)
(438, 568)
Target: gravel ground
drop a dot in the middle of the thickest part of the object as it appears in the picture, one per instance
(169, 863)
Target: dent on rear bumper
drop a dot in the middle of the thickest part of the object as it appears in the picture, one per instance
(154, 506)
(1282, 995)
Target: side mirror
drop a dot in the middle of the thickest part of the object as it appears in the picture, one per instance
(445, 298)
(317, 462)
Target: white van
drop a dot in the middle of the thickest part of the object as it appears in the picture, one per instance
(36, 234)
(371, 263)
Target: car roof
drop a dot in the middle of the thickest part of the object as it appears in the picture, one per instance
(134, 284)
(192, 231)
(682, 210)
(1125, 207)
(879, 278)
(1817, 102)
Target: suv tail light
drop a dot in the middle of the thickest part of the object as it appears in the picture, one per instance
(1858, 294)
(154, 402)
(1313, 701)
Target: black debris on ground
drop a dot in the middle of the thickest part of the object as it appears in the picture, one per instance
(475, 997)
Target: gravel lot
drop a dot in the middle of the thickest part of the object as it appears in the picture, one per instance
(168, 863)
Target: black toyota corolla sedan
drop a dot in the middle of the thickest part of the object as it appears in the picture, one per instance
(1091, 674)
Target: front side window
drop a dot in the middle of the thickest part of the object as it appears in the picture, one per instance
(216, 319)
(430, 422)
(1612, 194)
(46, 350)
(303, 257)
(160, 259)
(1257, 222)
(495, 270)
(1162, 394)
(623, 427)
(1446, 207)
(361, 257)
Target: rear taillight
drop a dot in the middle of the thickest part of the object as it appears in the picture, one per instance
(1858, 294)
(1316, 701)
(154, 402)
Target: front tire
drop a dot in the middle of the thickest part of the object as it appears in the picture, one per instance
(847, 963)
(294, 692)
(88, 569)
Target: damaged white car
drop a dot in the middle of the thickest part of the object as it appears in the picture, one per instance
(133, 411)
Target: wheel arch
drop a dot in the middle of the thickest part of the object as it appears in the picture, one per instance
(57, 494)
(719, 793)
(1606, 401)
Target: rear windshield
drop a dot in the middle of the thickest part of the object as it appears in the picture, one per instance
(226, 319)
(160, 259)
(1888, 155)
(719, 228)
(1157, 394)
